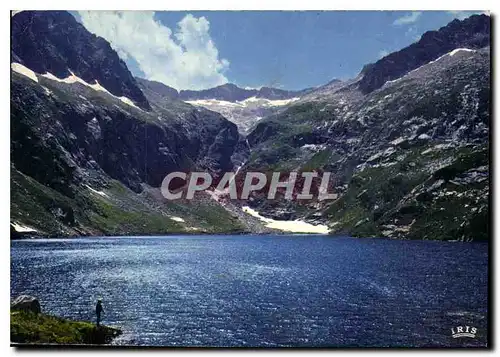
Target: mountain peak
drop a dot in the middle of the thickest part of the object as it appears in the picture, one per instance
(229, 86)
(472, 32)
(232, 93)
(161, 90)
(54, 42)
(334, 81)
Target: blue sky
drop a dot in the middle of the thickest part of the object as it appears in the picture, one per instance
(291, 50)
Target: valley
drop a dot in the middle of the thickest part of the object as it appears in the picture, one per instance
(407, 141)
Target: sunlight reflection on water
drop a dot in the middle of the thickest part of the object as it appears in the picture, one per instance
(261, 291)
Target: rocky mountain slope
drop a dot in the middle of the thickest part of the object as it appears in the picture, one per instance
(84, 161)
(232, 93)
(54, 42)
(472, 33)
(410, 159)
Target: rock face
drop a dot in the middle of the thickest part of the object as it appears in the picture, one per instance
(68, 137)
(26, 303)
(129, 145)
(54, 42)
(472, 33)
(228, 92)
(71, 142)
(410, 159)
(157, 90)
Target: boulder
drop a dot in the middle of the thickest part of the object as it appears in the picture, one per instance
(26, 303)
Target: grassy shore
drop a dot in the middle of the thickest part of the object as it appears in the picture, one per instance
(31, 328)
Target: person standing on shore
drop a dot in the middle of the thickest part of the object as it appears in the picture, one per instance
(99, 310)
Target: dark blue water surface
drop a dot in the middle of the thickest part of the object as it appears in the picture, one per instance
(262, 290)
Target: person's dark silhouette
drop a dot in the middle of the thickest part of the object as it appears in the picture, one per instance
(99, 310)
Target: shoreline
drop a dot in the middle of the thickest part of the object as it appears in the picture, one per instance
(29, 328)
(243, 234)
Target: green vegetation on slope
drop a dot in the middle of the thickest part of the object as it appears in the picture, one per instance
(28, 327)
(319, 159)
(117, 211)
(411, 200)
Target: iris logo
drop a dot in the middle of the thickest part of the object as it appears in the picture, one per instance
(463, 331)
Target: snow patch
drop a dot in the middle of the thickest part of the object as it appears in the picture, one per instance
(96, 86)
(218, 195)
(389, 151)
(436, 148)
(25, 71)
(397, 141)
(313, 147)
(393, 81)
(101, 193)
(451, 53)
(270, 102)
(361, 121)
(127, 101)
(177, 219)
(47, 91)
(249, 102)
(296, 226)
(460, 49)
(204, 102)
(374, 157)
(21, 228)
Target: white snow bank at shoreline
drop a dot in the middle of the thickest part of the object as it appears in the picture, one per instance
(296, 226)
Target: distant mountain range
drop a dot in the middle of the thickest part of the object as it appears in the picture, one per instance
(232, 93)
(228, 92)
(244, 107)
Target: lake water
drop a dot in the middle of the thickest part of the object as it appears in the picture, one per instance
(266, 291)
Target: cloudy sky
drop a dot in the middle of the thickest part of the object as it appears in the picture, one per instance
(291, 50)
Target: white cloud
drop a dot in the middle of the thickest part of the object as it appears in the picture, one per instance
(408, 19)
(184, 59)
